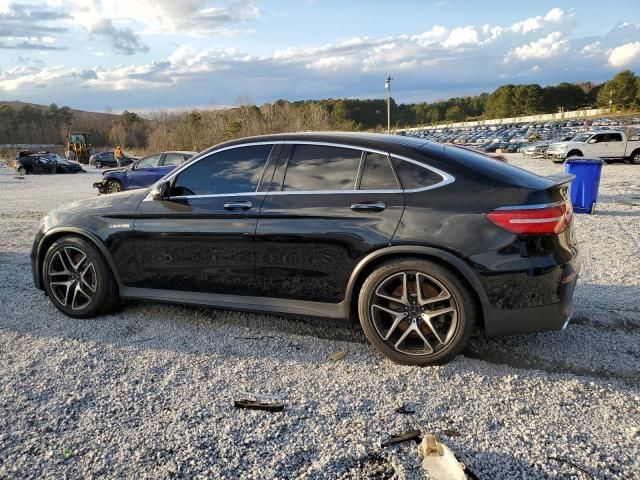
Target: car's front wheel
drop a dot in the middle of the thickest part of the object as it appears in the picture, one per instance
(77, 279)
(22, 171)
(416, 312)
(98, 164)
(114, 186)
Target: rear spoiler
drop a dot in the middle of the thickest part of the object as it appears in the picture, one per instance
(561, 178)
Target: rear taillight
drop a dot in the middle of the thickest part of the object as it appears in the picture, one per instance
(536, 220)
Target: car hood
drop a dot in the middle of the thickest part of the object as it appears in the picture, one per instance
(96, 213)
(67, 162)
(116, 169)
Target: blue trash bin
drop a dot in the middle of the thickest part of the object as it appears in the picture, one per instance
(584, 189)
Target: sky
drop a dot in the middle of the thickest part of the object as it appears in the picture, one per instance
(145, 55)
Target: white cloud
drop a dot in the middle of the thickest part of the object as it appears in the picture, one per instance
(533, 24)
(436, 35)
(550, 46)
(330, 64)
(461, 36)
(624, 55)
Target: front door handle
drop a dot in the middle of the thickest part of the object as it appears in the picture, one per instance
(368, 206)
(246, 205)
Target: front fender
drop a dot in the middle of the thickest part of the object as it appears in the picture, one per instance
(44, 240)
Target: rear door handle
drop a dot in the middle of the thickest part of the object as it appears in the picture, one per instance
(246, 205)
(369, 206)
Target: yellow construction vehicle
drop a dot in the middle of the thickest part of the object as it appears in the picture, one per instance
(78, 147)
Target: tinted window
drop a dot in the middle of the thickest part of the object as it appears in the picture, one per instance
(414, 176)
(150, 161)
(174, 159)
(377, 173)
(230, 171)
(615, 137)
(317, 167)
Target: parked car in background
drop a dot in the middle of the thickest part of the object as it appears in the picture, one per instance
(33, 163)
(421, 241)
(141, 173)
(62, 165)
(107, 159)
(609, 145)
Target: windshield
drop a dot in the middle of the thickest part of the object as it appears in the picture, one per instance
(583, 137)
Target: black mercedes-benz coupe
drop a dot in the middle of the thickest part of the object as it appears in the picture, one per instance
(420, 241)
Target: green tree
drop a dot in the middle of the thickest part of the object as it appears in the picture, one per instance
(454, 114)
(621, 89)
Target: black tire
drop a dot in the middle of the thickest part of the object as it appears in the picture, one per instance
(98, 164)
(114, 186)
(574, 153)
(634, 159)
(22, 171)
(95, 273)
(461, 299)
(48, 170)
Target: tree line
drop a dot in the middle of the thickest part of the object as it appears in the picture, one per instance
(197, 129)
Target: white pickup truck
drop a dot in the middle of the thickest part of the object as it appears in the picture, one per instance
(609, 145)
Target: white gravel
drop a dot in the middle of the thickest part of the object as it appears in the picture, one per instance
(147, 392)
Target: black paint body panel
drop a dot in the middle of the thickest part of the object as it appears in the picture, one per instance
(298, 252)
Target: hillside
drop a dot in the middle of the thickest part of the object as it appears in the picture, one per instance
(22, 122)
(80, 116)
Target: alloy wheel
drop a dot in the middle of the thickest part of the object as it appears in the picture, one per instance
(72, 278)
(114, 187)
(414, 313)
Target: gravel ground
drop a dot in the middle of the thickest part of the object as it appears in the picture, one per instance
(147, 392)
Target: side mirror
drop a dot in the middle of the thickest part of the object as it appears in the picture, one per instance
(160, 192)
(593, 140)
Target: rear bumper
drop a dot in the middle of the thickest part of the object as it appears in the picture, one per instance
(553, 314)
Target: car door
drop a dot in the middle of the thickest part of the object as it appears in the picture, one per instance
(615, 146)
(143, 172)
(327, 207)
(170, 161)
(200, 237)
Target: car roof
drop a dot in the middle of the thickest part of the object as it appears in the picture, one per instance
(358, 139)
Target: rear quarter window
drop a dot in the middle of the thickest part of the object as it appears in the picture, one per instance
(414, 176)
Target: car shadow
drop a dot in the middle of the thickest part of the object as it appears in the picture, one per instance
(585, 348)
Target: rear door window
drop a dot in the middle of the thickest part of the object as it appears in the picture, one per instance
(237, 170)
(377, 173)
(173, 159)
(413, 176)
(615, 137)
(320, 168)
(150, 161)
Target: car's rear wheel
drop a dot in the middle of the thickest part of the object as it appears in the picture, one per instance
(114, 186)
(634, 159)
(77, 279)
(98, 164)
(22, 171)
(416, 312)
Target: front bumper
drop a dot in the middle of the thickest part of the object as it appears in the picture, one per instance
(101, 186)
(556, 154)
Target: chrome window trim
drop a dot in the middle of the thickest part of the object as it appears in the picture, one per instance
(446, 177)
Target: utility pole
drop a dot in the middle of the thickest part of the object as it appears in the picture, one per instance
(610, 100)
(387, 85)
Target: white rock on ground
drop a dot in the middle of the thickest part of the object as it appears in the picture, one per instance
(147, 391)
